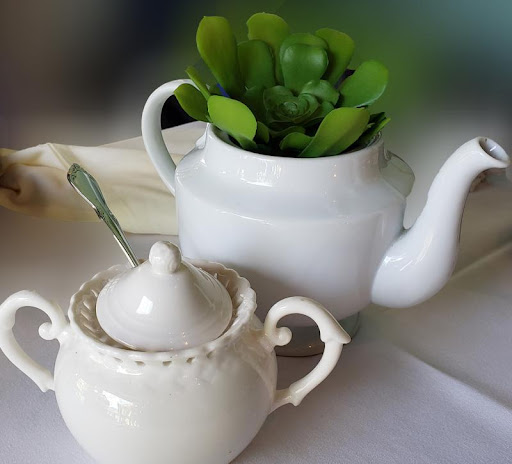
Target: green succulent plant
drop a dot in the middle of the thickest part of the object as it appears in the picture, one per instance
(284, 94)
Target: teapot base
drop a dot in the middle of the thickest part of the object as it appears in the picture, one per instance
(306, 340)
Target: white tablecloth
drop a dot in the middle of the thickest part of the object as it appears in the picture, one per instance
(430, 384)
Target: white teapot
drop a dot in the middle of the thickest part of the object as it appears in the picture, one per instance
(330, 228)
(202, 402)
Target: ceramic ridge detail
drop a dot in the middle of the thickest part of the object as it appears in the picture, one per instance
(239, 289)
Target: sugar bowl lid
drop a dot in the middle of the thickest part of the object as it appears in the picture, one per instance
(164, 304)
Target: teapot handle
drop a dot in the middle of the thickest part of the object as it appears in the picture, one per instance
(152, 132)
(49, 331)
(331, 333)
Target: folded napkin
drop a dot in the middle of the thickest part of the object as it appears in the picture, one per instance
(33, 181)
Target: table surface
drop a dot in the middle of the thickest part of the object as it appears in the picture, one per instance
(429, 384)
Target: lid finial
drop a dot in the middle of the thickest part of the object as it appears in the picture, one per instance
(165, 258)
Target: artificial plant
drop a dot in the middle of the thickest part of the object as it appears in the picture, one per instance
(284, 94)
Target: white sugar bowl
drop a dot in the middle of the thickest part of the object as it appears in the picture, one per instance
(204, 397)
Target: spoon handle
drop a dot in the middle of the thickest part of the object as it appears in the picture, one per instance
(89, 190)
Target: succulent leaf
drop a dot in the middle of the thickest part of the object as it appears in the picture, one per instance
(233, 117)
(215, 90)
(302, 63)
(302, 38)
(340, 50)
(377, 121)
(322, 90)
(295, 141)
(278, 91)
(193, 73)
(272, 29)
(253, 98)
(262, 132)
(246, 144)
(192, 101)
(339, 129)
(308, 105)
(376, 117)
(279, 134)
(283, 106)
(256, 64)
(321, 112)
(365, 86)
(217, 46)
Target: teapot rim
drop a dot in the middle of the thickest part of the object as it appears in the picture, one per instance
(239, 289)
(223, 138)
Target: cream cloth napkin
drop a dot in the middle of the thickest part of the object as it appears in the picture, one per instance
(33, 181)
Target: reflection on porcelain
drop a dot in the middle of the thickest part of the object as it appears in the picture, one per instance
(192, 406)
(329, 228)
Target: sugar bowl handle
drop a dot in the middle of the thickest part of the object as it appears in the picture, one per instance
(331, 333)
(49, 331)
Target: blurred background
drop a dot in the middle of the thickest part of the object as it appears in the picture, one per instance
(79, 72)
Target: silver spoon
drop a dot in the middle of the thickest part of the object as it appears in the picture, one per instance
(90, 191)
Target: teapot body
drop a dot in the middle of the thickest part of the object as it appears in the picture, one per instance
(316, 227)
(329, 228)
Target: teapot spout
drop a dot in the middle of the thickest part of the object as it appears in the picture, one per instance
(422, 258)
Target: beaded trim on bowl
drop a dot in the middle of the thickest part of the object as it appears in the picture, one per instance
(83, 320)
